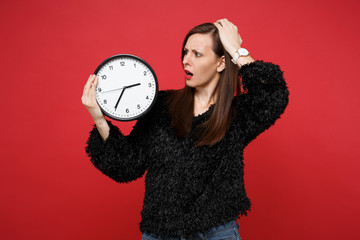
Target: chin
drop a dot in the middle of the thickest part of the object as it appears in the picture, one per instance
(193, 84)
(189, 83)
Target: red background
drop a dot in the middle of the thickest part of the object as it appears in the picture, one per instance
(302, 175)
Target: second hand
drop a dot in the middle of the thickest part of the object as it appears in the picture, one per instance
(121, 88)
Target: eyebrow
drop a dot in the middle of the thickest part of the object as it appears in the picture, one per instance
(192, 49)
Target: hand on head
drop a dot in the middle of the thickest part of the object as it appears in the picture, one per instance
(229, 36)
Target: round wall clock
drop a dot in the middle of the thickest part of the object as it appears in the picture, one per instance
(127, 87)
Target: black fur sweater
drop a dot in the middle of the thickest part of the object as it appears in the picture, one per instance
(188, 189)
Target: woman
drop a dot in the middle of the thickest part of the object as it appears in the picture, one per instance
(191, 142)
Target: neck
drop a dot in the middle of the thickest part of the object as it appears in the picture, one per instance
(202, 95)
(204, 99)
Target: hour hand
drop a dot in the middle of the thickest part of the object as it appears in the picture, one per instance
(133, 85)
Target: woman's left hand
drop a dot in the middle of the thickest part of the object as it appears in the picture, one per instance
(229, 36)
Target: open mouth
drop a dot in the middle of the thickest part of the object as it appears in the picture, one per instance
(188, 74)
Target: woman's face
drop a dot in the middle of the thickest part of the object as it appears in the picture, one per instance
(201, 61)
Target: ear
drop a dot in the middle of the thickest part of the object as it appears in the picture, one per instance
(221, 64)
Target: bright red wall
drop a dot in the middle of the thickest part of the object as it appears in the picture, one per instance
(301, 175)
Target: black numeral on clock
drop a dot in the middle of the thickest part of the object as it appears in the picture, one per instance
(105, 102)
(134, 64)
(147, 97)
(127, 110)
(138, 106)
(111, 67)
(122, 63)
(149, 84)
(144, 73)
(103, 77)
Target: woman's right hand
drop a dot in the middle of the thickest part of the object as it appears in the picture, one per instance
(89, 99)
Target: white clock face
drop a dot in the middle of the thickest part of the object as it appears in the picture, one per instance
(127, 87)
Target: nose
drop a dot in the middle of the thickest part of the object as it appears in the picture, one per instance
(186, 59)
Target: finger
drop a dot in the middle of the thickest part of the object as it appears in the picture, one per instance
(87, 85)
(92, 77)
(90, 87)
(96, 81)
(90, 80)
(87, 82)
(219, 22)
(93, 92)
(225, 23)
(94, 84)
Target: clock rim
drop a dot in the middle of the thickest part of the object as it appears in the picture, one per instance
(156, 90)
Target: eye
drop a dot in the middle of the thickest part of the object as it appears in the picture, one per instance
(197, 54)
(185, 52)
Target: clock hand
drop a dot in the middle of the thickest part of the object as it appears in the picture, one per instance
(122, 92)
(112, 90)
(136, 84)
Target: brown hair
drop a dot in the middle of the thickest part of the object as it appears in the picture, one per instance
(181, 102)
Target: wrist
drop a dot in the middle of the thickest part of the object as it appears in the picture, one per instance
(233, 51)
(244, 60)
(236, 55)
(240, 54)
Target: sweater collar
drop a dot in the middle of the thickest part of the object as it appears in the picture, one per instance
(205, 114)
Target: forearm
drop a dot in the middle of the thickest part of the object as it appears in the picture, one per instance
(120, 157)
(103, 128)
(266, 96)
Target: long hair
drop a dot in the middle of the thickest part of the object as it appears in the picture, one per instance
(181, 102)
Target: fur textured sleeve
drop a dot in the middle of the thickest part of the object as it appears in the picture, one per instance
(120, 157)
(265, 99)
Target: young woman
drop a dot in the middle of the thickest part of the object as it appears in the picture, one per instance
(191, 142)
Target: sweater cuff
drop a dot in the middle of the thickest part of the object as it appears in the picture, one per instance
(96, 146)
(260, 73)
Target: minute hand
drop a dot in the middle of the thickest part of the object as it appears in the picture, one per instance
(122, 92)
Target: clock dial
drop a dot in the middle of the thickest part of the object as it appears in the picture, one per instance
(127, 87)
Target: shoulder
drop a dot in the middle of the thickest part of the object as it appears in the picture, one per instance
(165, 93)
(163, 96)
(161, 100)
(159, 110)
